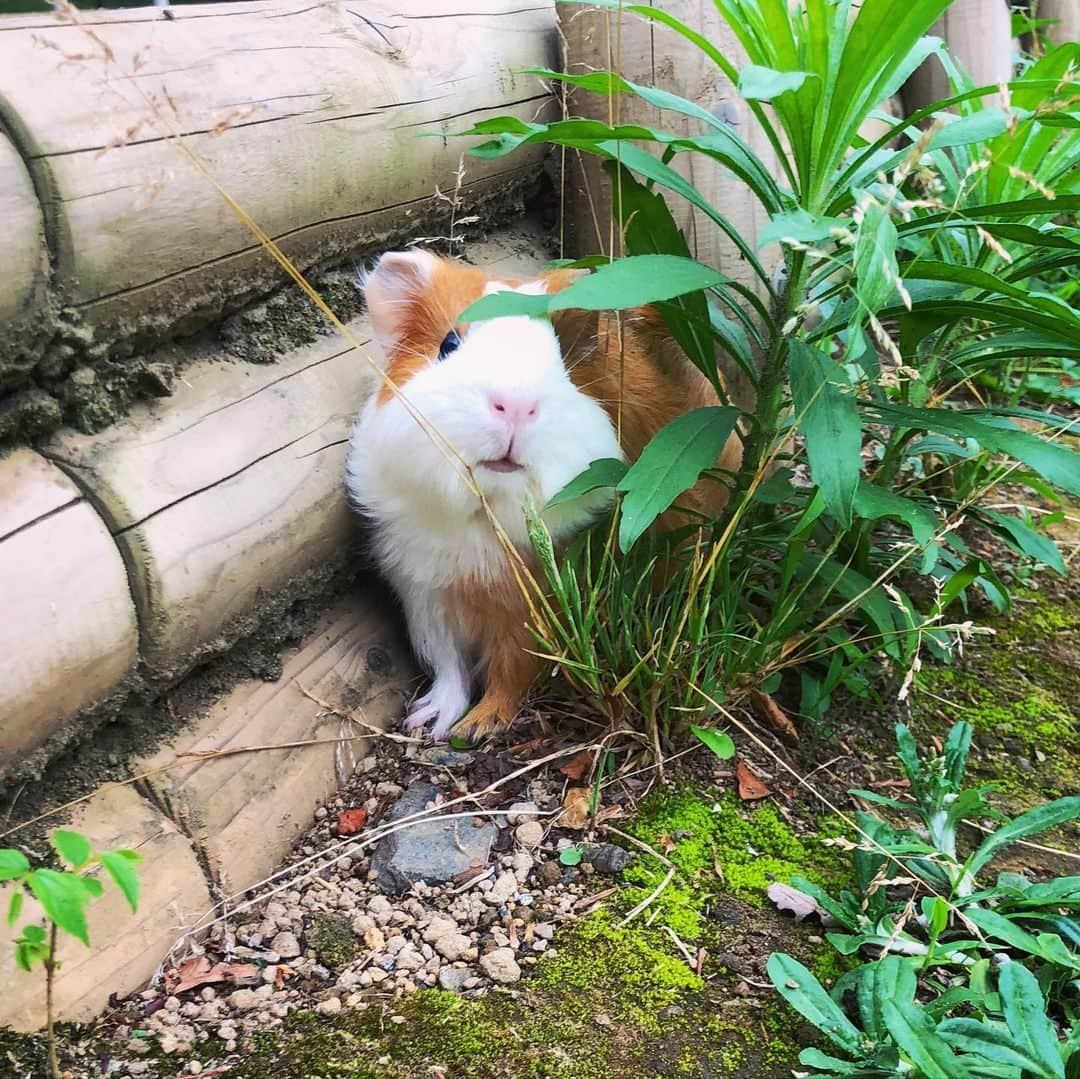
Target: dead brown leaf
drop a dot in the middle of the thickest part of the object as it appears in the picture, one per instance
(768, 710)
(197, 970)
(575, 808)
(751, 789)
(577, 766)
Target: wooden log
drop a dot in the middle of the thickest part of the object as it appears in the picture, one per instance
(68, 634)
(231, 489)
(245, 810)
(978, 33)
(309, 116)
(1067, 16)
(23, 282)
(655, 56)
(125, 948)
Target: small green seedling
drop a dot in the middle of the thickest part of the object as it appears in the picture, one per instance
(64, 896)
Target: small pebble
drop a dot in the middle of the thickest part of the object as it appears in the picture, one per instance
(330, 1006)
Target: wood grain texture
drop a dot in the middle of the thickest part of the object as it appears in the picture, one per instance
(1067, 14)
(68, 634)
(655, 56)
(310, 116)
(245, 810)
(231, 488)
(979, 35)
(126, 948)
(24, 280)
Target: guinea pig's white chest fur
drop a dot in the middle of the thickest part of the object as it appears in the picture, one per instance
(491, 410)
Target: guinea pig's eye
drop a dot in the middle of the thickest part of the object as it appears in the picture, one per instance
(450, 343)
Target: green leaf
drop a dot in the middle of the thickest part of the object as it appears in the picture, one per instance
(63, 897)
(758, 83)
(73, 848)
(913, 1030)
(978, 127)
(1024, 539)
(992, 1043)
(671, 464)
(799, 227)
(627, 282)
(119, 866)
(13, 863)
(876, 270)
(34, 933)
(1052, 460)
(719, 742)
(873, 502)
(605, 472)
(805, 994)
(1047, 946)
(15, 906)
(570, 856)
(1039, 819)
(1026, 1018)
(829, 419)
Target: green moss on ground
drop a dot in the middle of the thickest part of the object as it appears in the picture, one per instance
(726, 846)
(610, 1001)
(333, 941)
(1021, 693)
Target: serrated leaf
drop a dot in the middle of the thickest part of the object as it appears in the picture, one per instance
(606, 472)
(719, 742)
(63, 898)
(13, 863)
(121, 869)
(829, 420)
(72, 847)
(670, 465)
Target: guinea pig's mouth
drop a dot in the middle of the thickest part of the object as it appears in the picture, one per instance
(503, 464)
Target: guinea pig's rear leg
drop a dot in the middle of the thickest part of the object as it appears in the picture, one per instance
(438, 648)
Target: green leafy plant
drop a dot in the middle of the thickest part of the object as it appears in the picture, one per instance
(951, 993)
(64, 895)
(892, 358)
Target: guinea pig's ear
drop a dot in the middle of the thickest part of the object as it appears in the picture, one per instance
(556, 280)
(390, 288)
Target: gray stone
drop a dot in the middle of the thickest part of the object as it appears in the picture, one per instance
(501, 966)
(444, 756)
(286, 945)
(433, 850)
(454, 978)
(607, 858)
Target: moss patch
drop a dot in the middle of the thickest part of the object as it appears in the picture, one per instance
(333, 941)
(609, 1002)
(723, 846)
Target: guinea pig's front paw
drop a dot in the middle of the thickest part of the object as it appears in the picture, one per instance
(442, 707)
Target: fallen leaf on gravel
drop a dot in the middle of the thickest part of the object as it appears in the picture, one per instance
(577, 766)
(768, 710)
(352, 821)
(470, 874)
(799, 903)
(197, 970)
(575, 809)
(751, 789)
(281, 975)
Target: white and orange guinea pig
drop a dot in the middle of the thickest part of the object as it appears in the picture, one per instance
(527, 405)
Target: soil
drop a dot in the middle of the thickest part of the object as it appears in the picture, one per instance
(682, 988)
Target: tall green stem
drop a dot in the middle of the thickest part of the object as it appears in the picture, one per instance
(50, 978)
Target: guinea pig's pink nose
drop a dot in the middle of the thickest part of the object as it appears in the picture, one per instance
(515, 408)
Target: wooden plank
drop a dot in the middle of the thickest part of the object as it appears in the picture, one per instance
(125, 947)
(232, 488)
(23, 283)
(327, 160)
(68, 635)
(244, 810)
(979, 35)
(655, 56)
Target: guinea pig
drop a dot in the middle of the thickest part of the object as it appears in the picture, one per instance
(526, 404)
